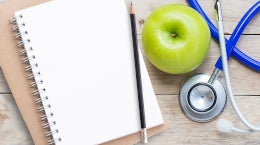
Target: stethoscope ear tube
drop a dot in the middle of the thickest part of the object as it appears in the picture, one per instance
(225, 126)
(231, 49)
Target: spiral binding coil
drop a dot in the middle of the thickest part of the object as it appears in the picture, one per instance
(23, 52)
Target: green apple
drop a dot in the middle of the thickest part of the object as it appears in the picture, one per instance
(175, 38)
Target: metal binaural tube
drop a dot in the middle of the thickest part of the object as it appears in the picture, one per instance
(216, 72)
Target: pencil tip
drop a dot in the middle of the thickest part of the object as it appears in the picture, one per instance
(131, 9)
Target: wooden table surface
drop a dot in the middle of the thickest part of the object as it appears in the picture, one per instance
(181, 130)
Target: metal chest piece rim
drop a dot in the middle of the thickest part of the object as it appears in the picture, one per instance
(201, 101)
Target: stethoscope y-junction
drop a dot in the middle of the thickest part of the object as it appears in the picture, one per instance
(203, 97)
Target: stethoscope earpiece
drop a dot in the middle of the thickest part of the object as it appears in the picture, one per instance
(224, 126)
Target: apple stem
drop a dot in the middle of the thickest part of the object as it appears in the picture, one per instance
(174, 35)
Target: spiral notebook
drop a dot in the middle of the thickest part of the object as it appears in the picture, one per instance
(80, 62)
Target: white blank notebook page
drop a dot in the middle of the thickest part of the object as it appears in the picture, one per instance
(85, 56)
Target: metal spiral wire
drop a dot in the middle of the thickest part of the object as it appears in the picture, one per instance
(32, 75)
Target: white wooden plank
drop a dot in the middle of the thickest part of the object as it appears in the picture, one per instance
(233, 10)
(3, 85)
(244, 80)
(183, 131)
(12, 128)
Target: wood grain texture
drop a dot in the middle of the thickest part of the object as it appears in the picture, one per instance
(169, 84)
(12, 127)
(4, 89)
(181, 130)
(233, 10)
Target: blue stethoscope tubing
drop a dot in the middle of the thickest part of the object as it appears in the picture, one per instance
(231, 43)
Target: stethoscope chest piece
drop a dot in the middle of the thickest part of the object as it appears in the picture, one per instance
(200, 100)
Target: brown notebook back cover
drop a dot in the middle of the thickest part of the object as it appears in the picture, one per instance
(13, 70)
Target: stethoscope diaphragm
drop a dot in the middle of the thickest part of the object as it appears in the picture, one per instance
(200, 100)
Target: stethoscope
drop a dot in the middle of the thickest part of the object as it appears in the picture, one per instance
(203, 97)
